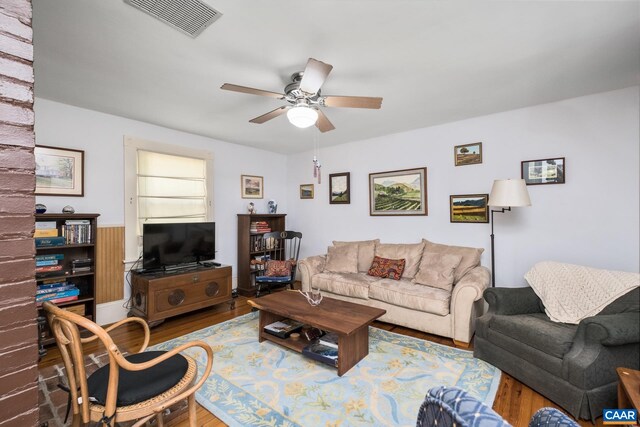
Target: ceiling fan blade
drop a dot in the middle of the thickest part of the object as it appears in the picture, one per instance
(323, 123)
(270, 115)
(315, 73)
(352, 101)
(251, 91)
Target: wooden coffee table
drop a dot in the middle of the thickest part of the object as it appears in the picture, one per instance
(348, 320)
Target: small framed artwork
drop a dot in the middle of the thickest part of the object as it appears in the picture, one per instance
(306, 191)
(468, 154)
(402, 192)
(59, 171)
(469, 208)
(544, 171)
(251, 187)
(339, 188)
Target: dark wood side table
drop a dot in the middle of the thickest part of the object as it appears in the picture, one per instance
(628, 388)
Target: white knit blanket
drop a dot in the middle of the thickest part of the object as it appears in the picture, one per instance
(571, 293)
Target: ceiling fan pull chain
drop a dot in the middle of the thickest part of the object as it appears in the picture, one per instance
(319, 176)
(315, 166)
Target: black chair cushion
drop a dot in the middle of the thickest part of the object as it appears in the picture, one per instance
(138, 386)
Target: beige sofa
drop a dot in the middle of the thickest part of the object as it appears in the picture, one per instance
(439, 292)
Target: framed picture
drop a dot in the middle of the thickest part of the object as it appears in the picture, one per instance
(339, 188)
(469, 208)
(402, 192)
(59, 171)
(251, 187)
(468, 154)
(544, 171)
(306, 191)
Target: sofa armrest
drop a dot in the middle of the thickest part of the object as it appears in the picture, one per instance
(467, 304)
(309, 267)
(512, 301)
(611, 329)
(601, 343)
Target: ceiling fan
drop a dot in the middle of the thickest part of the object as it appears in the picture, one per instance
(303, 95)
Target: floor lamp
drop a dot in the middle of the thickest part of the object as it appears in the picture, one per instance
(505, 194)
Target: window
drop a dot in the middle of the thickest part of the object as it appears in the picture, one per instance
(163, 184)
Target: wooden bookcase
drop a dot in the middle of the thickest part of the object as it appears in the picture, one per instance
(85, 281)
(247, 249)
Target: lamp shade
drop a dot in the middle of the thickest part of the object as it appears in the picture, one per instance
(509, 193)
(302, 116)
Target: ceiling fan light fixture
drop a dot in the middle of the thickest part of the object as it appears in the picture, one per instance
(302, 116)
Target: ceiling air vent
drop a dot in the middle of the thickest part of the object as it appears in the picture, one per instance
(189, 16)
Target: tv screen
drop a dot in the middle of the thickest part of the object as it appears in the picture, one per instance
(166, 245)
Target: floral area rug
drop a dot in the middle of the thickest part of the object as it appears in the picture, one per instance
(263, 384)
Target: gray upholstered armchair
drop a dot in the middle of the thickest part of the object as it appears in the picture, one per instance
(572, 365)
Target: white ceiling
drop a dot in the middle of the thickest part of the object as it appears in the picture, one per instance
(432, 61)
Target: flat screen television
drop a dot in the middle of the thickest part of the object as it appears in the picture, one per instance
(176, 244)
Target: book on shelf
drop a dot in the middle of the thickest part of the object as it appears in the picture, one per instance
(49, 257)
(48, 268)
(45, 232)
(52, 284)
(43, 225)
(321, 353)
(283, 328)
(46, 262)
(60, 300)
(330, 339)
(55, 295)
(55, 289)
(43, 242)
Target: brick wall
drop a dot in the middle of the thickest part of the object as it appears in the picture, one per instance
(18, 332)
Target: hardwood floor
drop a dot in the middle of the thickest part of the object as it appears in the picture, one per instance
(514, 401)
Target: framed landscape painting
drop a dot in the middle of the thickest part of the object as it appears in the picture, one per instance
(251, 186)
(469, 208)
(402, 192)
(59, 171)
(543, 171)
(306, 191)
(339, 190)
(468, 154)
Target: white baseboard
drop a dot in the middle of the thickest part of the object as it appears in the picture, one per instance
(110, 312)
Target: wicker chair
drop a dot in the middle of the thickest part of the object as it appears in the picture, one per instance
(143, 386)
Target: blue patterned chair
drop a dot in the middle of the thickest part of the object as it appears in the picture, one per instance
(453, 407)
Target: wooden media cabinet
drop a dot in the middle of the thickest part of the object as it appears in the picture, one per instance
(156, 296)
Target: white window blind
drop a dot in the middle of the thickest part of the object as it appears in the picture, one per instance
(170, 188)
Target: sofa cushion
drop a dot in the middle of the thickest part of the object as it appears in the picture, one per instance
(537, 331)
(354, 285)
(342, 259)
(403, 293)
(470, 257)
(436, 270)
(410, 252)
(387, 268)
(366, 249)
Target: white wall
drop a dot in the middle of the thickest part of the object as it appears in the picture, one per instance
(592, 220)
(101, 137)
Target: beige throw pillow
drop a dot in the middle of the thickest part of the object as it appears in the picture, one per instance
(366, 253)
(411, 253)
(436, 270)
(342, 259)
(470, 257)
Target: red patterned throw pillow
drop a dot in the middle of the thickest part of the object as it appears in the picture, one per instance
(387, 268)
(275, 268)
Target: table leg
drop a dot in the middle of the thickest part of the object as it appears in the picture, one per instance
(352, 349)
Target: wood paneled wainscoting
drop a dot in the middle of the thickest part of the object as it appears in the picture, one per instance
(109, 264)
